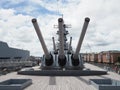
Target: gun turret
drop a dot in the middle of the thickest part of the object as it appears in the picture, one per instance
(48, 56)
(75, 56)
(62, 56)
(62, 60)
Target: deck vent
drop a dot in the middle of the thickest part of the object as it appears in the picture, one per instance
(105, 84)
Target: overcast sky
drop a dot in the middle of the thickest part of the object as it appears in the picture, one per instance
(103, 32)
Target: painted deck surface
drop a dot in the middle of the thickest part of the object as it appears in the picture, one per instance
(61, 83)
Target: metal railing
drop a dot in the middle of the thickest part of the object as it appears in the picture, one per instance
(14, 63)
(108, 67)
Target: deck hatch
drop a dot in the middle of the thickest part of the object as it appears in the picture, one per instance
(15, 84)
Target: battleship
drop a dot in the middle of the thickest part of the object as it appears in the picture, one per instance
(61, 69)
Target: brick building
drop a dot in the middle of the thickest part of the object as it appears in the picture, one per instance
(108, 56)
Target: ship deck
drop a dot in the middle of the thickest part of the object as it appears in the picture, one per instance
(61, 82)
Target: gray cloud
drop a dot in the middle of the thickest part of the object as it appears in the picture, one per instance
(102, 44)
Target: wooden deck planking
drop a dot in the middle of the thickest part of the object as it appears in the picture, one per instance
(61, 83)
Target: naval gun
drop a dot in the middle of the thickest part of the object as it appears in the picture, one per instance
(63, 60)
(48, 57)
(63, 55)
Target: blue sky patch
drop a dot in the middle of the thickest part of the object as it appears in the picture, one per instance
(21, 8)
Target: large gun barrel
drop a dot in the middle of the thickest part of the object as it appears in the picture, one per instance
(69, 49)
(61, 37)
(54, 46)
(81, 37)
(62, 58)
(48, 56)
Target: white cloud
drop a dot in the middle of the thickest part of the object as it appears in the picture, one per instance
(102, 34)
